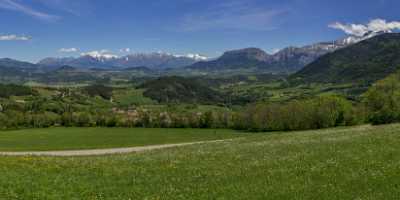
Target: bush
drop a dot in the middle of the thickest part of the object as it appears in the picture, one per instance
(383, 101)
(83, 120)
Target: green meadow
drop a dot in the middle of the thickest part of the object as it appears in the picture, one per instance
(98, 138)
(360, 162)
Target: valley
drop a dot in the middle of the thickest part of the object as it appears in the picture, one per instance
(112, 100)
(337, 83)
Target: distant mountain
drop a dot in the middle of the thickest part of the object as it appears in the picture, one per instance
(142, 69)
(292, 59)
(287, 60)
(237, 59)
(59, 62)
(84, 62)
(366, 61)
(11, 72)
(249, 60)
(156, 61)
(66, 68)
(11, 63)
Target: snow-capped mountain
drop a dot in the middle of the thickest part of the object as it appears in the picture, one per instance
(287, 60)
(355, 39)
(102, 55)
(103, 59)
(295, 58)
(196, 57)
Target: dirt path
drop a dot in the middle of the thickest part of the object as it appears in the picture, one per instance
(97, 152)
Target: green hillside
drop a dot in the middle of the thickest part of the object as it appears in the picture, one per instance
(180, 90)
(364, 62)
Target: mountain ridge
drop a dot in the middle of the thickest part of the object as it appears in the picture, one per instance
(366, 61)
(287, 60)
(157, 61)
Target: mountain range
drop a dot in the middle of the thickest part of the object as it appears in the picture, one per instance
(11, 63)
(156, 61)
(287, 60)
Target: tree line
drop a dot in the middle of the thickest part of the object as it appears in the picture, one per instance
(380, 105)
(315, 113)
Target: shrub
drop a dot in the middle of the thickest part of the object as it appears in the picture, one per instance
(382, 101)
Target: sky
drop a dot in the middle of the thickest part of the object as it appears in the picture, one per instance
(34, 29)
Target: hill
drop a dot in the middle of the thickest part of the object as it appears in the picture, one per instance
(103, 91)
(143, 69)
(6, 72)
(66, 68)
(11, 63)
(15, 90)
(363, 62)
(180, 90)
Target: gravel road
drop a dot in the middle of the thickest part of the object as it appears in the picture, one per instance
(98, 152)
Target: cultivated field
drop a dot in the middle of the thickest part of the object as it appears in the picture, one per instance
(343, 163)
(100, 138)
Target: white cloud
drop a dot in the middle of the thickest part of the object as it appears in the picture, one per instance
(376, 25)
(14, 38)
(68, 50)
(102, 54)
(15, 6)
(125, 50)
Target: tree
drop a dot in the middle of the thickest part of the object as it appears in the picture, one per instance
(314, 113)
(382, 100)
(207, 120)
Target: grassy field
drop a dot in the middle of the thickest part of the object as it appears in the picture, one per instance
(274, 92)
(344, 163)
(95, 138)
(128, 97)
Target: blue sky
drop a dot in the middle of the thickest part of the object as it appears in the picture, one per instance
(34, 29)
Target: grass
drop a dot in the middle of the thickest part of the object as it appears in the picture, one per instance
(343, 163)
(96, 138)
(275, 93)
(128, 97)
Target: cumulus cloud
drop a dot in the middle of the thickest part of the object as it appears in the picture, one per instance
(376, 25)
(68, 50)
(100, 54)
(14, 38)
(19, 7)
